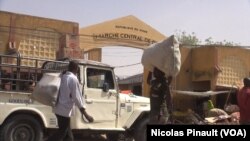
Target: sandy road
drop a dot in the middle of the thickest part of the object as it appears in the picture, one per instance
(91, 138)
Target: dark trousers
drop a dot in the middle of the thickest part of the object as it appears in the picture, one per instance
(64, 133)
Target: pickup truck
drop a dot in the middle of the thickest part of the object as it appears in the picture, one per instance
(119, 116)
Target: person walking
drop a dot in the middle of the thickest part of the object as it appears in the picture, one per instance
(70, 95)
(160, 98)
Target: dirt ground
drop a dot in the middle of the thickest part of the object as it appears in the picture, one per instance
(91, 138)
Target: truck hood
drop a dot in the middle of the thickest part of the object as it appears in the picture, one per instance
(133, 98)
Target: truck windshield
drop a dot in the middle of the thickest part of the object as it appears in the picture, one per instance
(97, 77)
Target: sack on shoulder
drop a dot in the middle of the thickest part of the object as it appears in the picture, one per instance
(47, 89)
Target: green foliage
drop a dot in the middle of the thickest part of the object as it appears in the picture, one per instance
(187, 39)
(209, 41)
(192, 39)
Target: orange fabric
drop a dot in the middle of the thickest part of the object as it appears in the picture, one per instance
(126, 91)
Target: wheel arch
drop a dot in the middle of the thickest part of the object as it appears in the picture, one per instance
(22, 125)
(142, 116)
(31, 112)
(135, 118)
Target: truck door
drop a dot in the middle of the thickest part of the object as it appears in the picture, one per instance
(100, 96)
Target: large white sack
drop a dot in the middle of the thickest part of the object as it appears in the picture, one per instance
(165, 55)
(47, 89)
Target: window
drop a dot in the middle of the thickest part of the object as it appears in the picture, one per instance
(51, 66)
(96, 78)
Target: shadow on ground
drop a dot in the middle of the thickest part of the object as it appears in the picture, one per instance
(96, 137)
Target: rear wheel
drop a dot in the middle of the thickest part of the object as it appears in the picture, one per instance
(21, 128)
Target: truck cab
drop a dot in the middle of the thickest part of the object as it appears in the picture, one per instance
(24, 119)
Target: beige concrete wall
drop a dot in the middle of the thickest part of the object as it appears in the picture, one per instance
(18, 28)
(183, 81)
(95, 54)
(234, 64)
(203, 61)
(184, 78)
(4, 33)
(210, 68)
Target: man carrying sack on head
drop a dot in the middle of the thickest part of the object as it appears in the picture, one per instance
(163, 60)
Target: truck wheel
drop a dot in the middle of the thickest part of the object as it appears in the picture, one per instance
(140, 133)
(21, 128)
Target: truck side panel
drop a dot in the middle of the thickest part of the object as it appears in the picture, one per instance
(21, 102)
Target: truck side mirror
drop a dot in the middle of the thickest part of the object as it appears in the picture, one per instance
(105, 87)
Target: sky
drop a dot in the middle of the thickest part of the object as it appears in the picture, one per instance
(220, 19)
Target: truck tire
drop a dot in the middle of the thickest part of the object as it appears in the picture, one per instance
(21, 128)
(140, 133)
